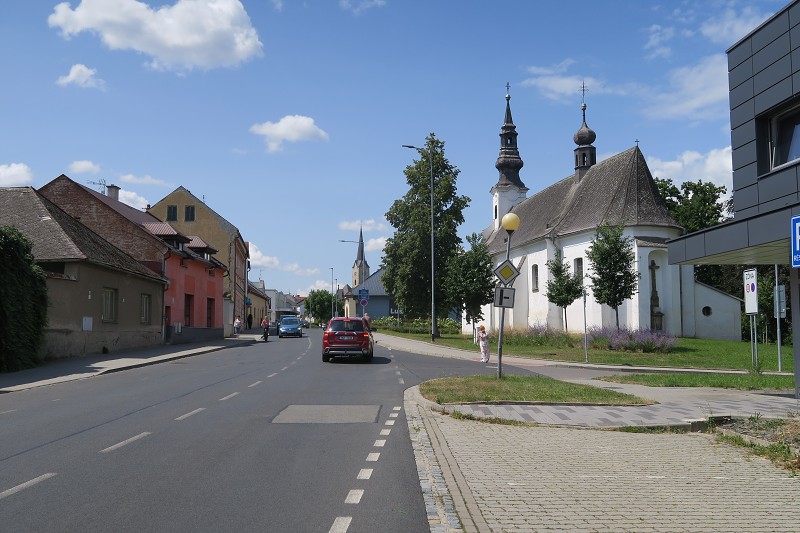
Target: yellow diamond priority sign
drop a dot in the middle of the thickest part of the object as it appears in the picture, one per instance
(506, 272)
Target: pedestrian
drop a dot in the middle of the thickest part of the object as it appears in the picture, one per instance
(249, 321)
(483, 342)
(368, 319)
(237, 325)
(265, 325)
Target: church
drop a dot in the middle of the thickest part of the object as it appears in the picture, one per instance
(565, 216)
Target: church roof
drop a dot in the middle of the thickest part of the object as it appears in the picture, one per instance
(619, 189)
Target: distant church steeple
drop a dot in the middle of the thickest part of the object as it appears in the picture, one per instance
(585, 153)
(509, 189)
(360, 266)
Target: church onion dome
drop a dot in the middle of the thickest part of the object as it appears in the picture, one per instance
(585, 135)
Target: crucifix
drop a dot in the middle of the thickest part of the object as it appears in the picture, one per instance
(656, 316)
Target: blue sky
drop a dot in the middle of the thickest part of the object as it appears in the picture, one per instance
(288, 117)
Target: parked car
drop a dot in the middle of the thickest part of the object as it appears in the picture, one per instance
(305, 323)
(349, 337)
(289, 326)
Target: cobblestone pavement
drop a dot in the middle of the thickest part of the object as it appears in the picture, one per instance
(567, 479)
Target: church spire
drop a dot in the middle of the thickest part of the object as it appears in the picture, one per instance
(360, 266)
(585, 153)
(509, 162)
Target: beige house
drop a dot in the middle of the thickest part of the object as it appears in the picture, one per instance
(191, 216)
(100, 299)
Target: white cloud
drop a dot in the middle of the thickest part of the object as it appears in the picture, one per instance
(696, 92)
(291, 128)
(277, 5)
(375, 245)
(143, 180)
(728, 26)
(714, 166)
(82, 76)
(366, 225)
(15, 175)
(83, 167)
(657, 40)
(133, 199)
(259, 260)
(359, 6)
(554, 85)
(188, 34)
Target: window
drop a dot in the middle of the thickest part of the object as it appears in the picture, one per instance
(109, 305)
(535, 278)
(785, 138)
(209, 312)
(189, 215)
(188, 301)
(577, 267)
(706, 311)
(144, 317)
(172, 213)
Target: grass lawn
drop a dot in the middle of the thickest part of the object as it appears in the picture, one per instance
(721, 381)
(688, 353)
(486, 389)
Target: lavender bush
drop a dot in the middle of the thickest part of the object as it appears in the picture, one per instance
(627, 340)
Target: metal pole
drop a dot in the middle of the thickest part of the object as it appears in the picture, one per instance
(778, 319)
(332, 295)
(585, 330)
(502, 318)
(433, 284)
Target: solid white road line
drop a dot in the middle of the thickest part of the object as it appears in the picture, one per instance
(385, 432)
(187, 415)
(229, 396)
(373, 457)
(379, 443)
(125, 442)
(23, 486)
(354, 496)
(364, 473)
(6, 412)
(254, 384)
(341, 524)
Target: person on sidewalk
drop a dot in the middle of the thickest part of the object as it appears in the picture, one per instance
(237, 325)
(483, 342)
(265, 325)
(249, 321)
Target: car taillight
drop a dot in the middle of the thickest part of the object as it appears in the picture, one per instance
(325, 335)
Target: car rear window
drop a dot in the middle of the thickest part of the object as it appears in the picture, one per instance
(347, 325)
(289, 321)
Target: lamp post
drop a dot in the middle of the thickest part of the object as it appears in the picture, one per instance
(433, 298)
(510, 223)
(332, 294)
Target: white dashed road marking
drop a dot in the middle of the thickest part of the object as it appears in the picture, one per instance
(354, 496)
(229, 396)
(373, 457)
(187, 415)
(341, 524)
(385, 432)
(365, 473)
(396, 408)
(125, 442)
(392, 415)
(389, 423)
(254, 384)
(379, 443)
(25, 485)
(272, 375)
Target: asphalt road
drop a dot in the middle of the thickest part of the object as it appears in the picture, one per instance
(256, 438)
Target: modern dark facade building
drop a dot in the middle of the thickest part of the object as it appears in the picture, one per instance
(764, 85)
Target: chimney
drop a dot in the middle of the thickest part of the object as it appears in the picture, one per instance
(112, 191)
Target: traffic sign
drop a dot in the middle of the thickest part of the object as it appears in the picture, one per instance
(506, 272)
(364, 302)
(795, 239)
(363, 294)
(750, 292)
(503, 297)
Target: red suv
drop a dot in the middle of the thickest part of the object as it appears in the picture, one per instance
(347, 336)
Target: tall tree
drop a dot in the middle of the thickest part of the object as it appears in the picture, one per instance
(563, 288)
(23, 303)
(696, 205)
(611, 255)
(407, 254)
(471, 279)
(319, 304)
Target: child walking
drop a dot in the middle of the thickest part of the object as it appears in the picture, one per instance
(483, 342)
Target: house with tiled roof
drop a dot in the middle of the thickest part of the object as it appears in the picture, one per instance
(192, 216)
(193, 299)
(100, 299)
(564, 217)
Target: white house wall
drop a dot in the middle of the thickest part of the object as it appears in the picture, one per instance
(723, 322)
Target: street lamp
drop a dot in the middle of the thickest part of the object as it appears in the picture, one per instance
(332, 295)
(510, 223)
(433, 299)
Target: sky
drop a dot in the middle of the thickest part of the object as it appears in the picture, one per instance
(288, 117)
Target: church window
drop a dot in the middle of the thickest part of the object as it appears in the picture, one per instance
(577, 267)
(495, 212)
(535, 278)
(706, 311)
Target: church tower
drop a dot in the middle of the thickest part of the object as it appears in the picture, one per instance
(509, 189)
(360, 266)
(585, 153)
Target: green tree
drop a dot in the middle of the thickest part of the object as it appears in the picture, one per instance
(23, 303)
(471, 280)
(696, 205)
(611, 256)
(407, 254)
(563, 288)
(318, 304)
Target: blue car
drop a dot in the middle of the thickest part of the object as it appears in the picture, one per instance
(290, 326)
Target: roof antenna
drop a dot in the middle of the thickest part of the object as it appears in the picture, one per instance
(102, 183)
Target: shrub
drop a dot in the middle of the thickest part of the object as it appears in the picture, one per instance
(626, 340)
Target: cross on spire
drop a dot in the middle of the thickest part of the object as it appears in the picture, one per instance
(508, 88)
(583, 90)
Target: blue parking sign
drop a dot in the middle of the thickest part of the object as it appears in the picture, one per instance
(795, 238)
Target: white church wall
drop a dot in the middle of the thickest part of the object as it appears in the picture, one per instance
(539, 306)
(687, 299)
(716, 318)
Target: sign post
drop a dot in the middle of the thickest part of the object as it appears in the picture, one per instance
(751, 308)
